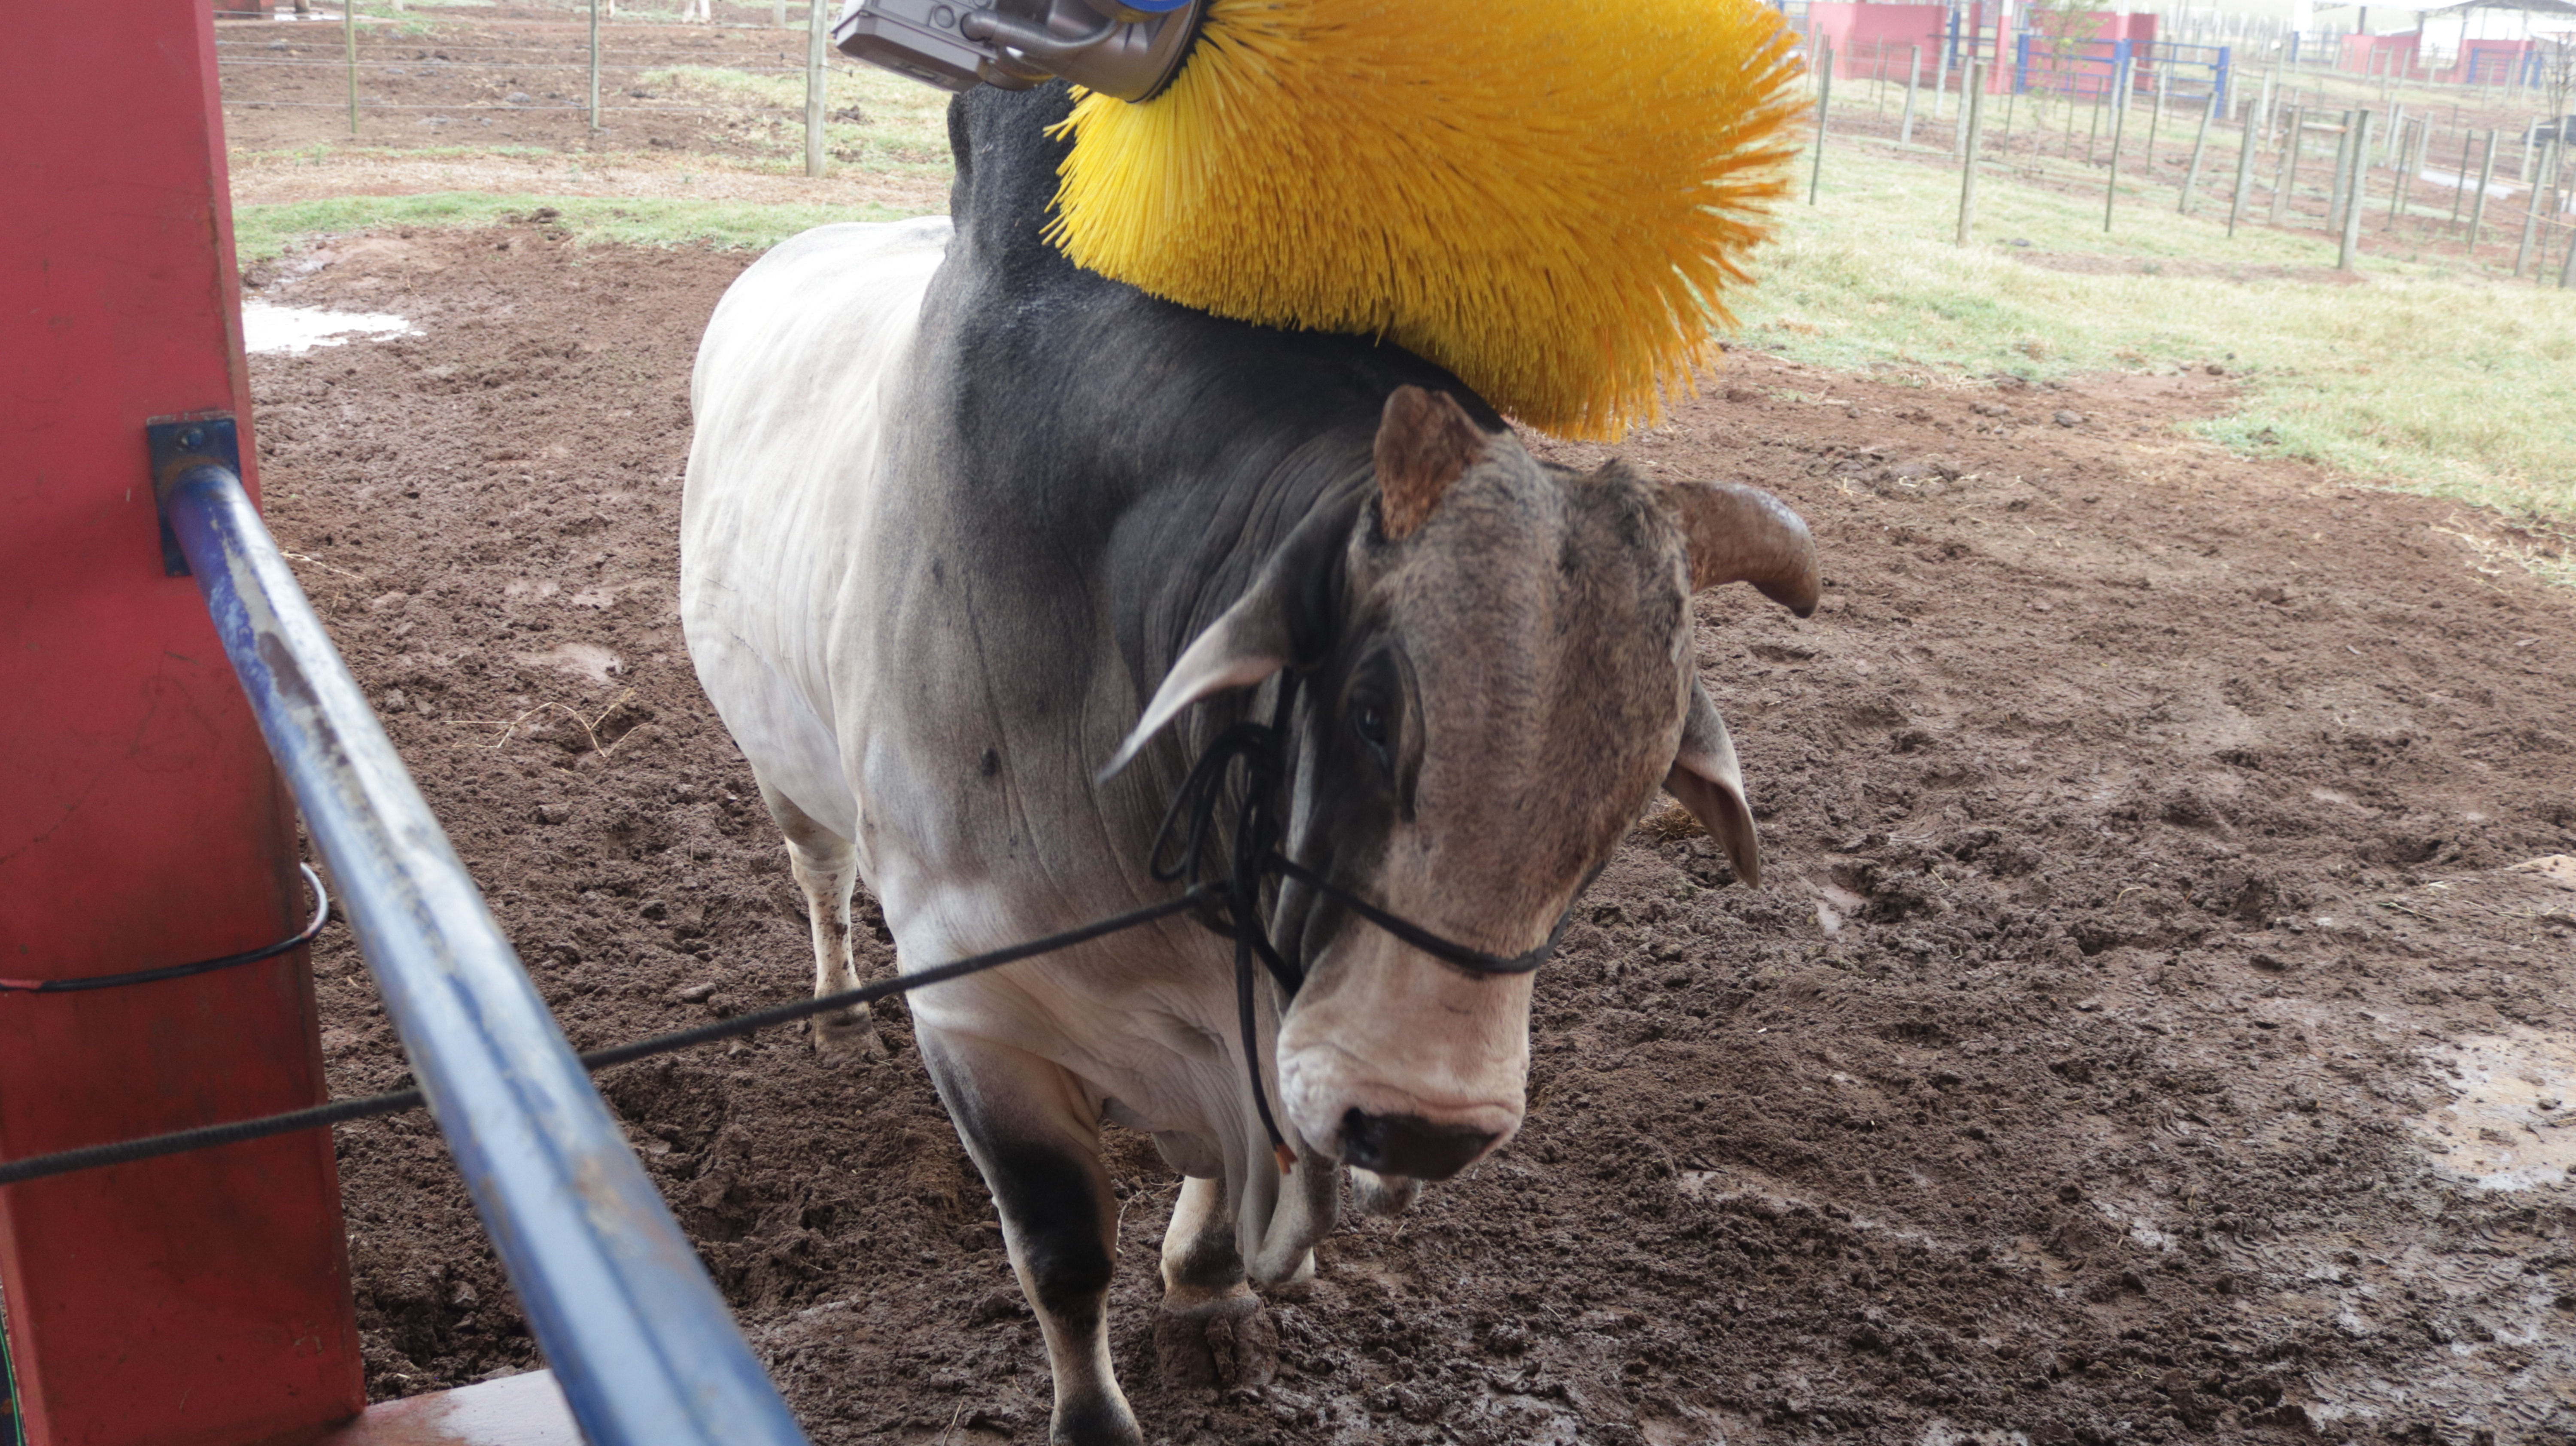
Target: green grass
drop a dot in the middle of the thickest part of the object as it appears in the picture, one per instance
(2421, 378)
(263, 231)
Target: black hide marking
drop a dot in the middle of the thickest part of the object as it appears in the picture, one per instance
(1047, 1195)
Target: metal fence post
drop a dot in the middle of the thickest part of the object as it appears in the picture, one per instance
(2337, 192)
(2199, 143)
(349, 35)
(1913, 80)
(2119, 129)
(2351, 245)
(1976, 103)
(2156, 119)
(2244, 174)
(2478, 208)
(2293, 136)
(2460, 190)
(817, 28)
(1824, 99)
(2530, 223)
(2399, 152)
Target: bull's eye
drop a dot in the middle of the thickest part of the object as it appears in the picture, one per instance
(1369, 721)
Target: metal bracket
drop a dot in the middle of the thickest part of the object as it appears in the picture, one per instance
(192, 439)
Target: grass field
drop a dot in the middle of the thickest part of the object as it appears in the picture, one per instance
(2412, 376)
(264, 231)
(2415, 376)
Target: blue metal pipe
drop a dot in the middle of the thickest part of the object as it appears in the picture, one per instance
(646, 1351)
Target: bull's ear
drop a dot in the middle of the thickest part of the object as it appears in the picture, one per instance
(1744, 534)
(1425, 443)
(1246, 644)
(1707, 781)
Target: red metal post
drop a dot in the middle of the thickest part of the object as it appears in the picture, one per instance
(200, 1300)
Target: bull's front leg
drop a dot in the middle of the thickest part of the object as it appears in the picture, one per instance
(1034, 1131)
(827, 871)
(1212, 1331)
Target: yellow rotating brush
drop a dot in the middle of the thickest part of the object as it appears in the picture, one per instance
(1548, 199)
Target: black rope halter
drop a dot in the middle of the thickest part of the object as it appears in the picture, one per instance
(1262, 751)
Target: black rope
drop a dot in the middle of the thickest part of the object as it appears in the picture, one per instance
(321, 915)
(1474, 961)
(367, 1106)
(1230, 905)
(1262, 752)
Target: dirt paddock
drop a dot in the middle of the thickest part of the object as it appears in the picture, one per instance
(2145, 1032)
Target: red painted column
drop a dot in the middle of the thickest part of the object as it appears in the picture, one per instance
(200, 1300)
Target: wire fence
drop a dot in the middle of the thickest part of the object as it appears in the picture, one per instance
(584, 59)
(2280, 146)
(2276, 148)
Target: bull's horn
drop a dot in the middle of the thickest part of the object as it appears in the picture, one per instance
(1744, 534)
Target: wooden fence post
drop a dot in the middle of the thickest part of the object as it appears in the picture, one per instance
(594, 64)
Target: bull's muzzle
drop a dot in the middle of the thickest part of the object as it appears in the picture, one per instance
(1410, 1145)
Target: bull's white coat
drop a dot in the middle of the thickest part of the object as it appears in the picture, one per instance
(791, 427)
(798, 386)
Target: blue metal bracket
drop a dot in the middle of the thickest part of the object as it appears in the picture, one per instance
(192, 439)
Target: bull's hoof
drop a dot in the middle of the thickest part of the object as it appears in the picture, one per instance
(1221, 1345)
(847, 1036)
(1098, 1421)
(1376, 1194)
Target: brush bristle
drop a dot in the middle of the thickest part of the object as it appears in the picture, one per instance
(1548, 198)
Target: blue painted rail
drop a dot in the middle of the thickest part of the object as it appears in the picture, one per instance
(644, 1347)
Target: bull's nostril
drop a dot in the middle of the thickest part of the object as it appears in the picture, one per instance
(1410, 1145)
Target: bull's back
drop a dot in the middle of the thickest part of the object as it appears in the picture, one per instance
(798, 379)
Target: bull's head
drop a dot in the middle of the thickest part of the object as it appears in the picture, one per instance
(1499, 674)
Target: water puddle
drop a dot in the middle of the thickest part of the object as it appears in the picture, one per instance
(2509, 1125)
(295, 330)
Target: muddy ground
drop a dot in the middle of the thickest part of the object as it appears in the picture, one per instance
(2145, 1032)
